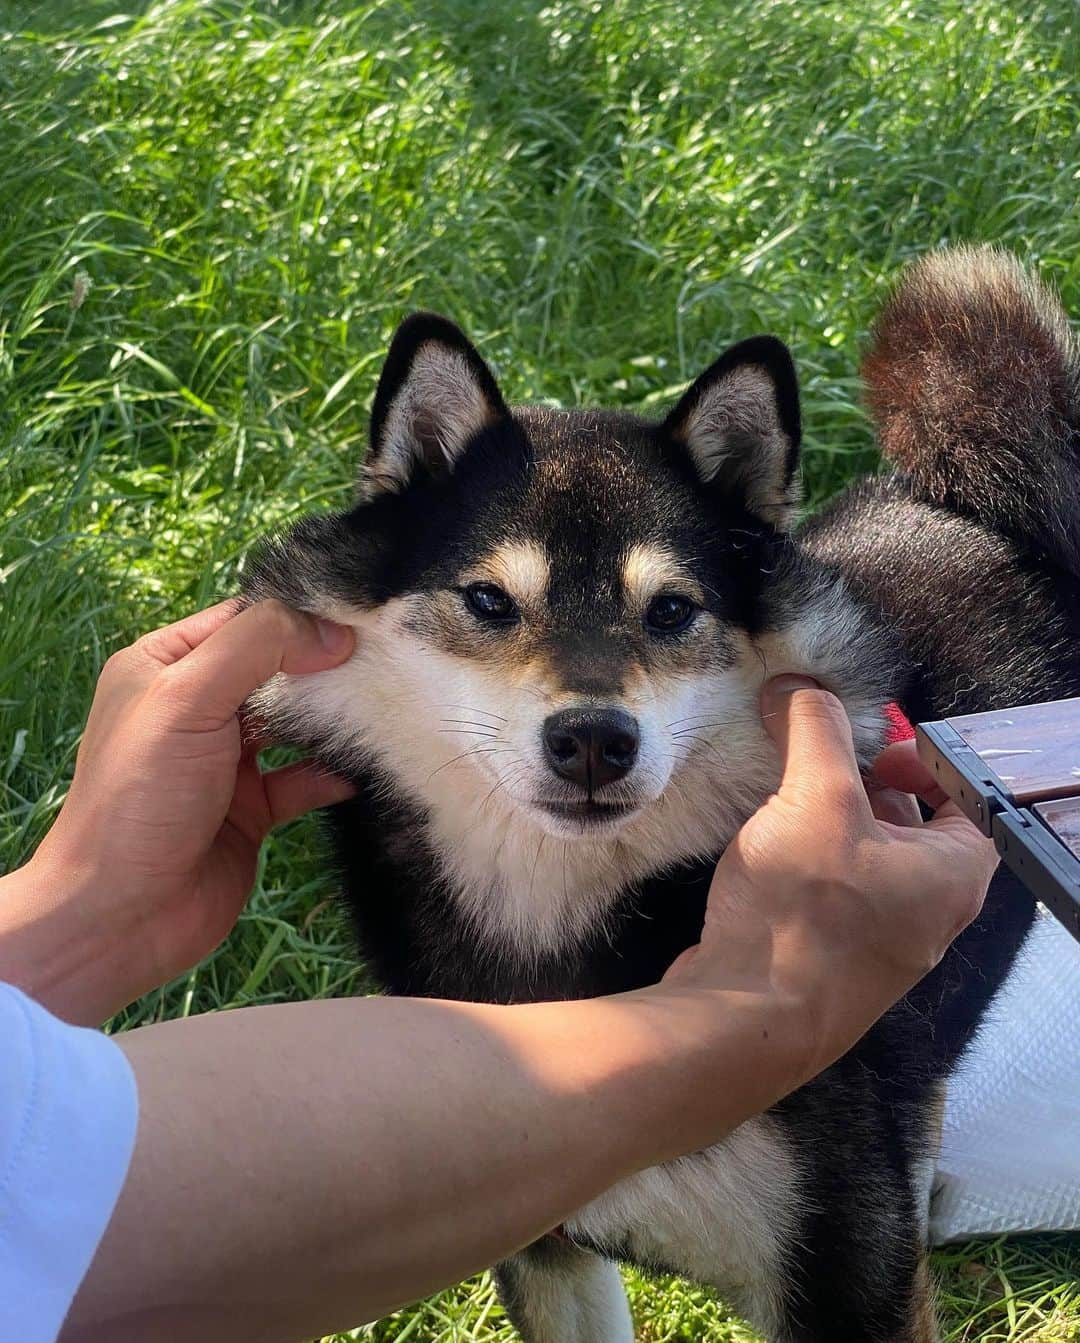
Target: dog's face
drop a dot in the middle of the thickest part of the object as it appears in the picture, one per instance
(564, 617)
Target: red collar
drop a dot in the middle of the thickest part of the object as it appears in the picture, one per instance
(898, 729)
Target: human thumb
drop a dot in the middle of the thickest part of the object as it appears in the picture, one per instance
(812, 734)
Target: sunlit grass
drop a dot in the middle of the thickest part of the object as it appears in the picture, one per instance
(213, 214)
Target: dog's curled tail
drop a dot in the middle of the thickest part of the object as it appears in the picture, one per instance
(973, 378)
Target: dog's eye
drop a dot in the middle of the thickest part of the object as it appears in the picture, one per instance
(490, 602)
(669, 614)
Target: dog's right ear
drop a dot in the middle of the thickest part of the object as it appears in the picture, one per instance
(434, 396)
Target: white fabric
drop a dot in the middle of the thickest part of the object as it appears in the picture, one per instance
(1010, 1157)
(68, 1111)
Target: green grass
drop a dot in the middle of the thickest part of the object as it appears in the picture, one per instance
(603, 194)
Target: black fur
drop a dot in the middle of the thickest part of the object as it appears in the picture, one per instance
(974, 379)
(965, 607)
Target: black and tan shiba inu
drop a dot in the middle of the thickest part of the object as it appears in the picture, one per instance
(564, 619)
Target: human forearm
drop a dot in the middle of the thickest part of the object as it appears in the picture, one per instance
(340, 1158)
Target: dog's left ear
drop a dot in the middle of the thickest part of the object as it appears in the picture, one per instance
(739, 422)
(434, 396)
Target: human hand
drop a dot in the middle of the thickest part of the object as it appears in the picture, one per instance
(835, 894)
(154, 852)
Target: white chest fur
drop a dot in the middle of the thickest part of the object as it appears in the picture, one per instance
(724, 1216)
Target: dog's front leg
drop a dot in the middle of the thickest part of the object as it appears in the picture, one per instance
(556, 1293)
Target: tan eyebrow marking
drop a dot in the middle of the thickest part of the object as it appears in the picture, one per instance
(648, 570)
(520, 567)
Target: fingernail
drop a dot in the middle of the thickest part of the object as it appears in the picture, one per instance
(789, 683)
(334, 638)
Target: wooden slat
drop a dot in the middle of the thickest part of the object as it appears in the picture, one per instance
(1034, 751)
(1062, 816)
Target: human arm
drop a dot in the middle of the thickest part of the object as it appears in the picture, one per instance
(303, 1167)
(333, 1160)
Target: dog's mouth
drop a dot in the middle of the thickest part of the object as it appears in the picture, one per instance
(587, 813)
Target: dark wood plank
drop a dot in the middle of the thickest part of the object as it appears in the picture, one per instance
(1062, 816)
(1034, 750)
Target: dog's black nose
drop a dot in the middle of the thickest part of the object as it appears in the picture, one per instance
(591, 747)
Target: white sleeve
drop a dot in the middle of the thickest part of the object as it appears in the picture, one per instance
(68, 1112)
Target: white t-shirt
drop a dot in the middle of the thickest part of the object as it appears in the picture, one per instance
(68, 1111)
